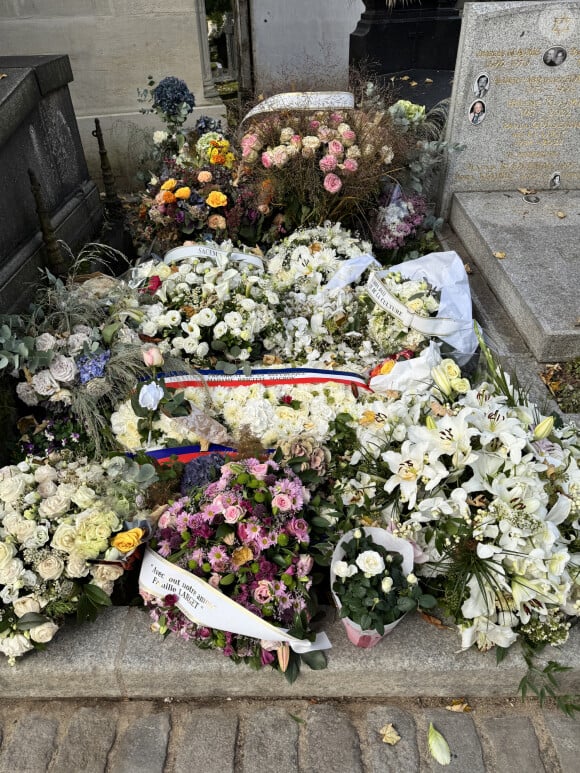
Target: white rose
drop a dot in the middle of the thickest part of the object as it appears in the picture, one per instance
(370, 562)
(24, 530)
(44, 383)
(15, 646)
(159, 137)
(386, 584)
(63, 368)
(149, 328)
(26, 393)
(7, 553)
(47, 488)
(150, 396)
(10, 523)
(25, 605)
(84, 497)
(77, 566)
(64, 538)
(105, 576)
(451, 368)
(54, 506)
(11, 571)
(50, 568)
(202, 349)
(43, 633)
(412, 579)
(343, 570)
(45, 472)
(45, 342)
(39, 538)
(76, 342)
(12, 488)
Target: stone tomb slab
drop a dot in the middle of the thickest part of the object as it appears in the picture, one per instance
(515, 103)
(537, 282)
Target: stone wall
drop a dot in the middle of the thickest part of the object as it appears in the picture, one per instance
(113, 46)
(302, 44)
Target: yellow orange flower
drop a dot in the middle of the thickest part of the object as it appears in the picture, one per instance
(167, 197)
(204, 177)
(216, 199)
(216, 222)
(125, 541)
(383, 369)
(241, 556)
(183, 193)
(169, 185)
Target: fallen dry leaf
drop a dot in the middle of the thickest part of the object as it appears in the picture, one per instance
(468, 269)
(405, 78)
(413, 83)
(499, 255)
(3, 75)
(428, 80)
(560, 214)
(389, 735)
(432, 620)
(527, 191)
(459, 705)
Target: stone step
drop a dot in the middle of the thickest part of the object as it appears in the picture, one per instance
(536, 281)
(118, 657)
(294, 736)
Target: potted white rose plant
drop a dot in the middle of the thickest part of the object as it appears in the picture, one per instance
(373, 584)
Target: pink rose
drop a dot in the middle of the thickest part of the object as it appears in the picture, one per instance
(332, 183)
(164, 520)
(350, 165)
(249, 155)
(259, 469)
(279, 156)
(296, 140)
(263, 592)
(314, 124)
(152, 356)
(282, 502)
(335, 147)
(233, 514)
(325, 134)
(267, 159)
(336, 118)
(327, 163)
(348, 137)
(250, 141)
(214, 580)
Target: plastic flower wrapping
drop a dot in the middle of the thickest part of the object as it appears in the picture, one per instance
(244, 535)
(59, 520)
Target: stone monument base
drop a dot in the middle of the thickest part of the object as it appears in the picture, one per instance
(537, 280)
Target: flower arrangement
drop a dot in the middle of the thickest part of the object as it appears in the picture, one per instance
(243, 535)
(58, 521)
(173, 102)
(373, 584)
(328, 165)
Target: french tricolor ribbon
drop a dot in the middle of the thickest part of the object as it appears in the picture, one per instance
(185, 454)
(264, 376)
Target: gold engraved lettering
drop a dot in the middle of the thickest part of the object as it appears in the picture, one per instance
(561, 25)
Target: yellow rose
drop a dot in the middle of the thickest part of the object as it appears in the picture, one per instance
(183, 193)
(126, 541)
(216, 199)
(169, 185)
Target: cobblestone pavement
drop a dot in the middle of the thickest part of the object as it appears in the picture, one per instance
(298, 736)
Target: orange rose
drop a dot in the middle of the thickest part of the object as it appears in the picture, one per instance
(204, 177)
(167, 197)
(183, 193)
(169, 185)
(216, 199)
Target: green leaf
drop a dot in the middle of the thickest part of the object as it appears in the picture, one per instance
(227, 579)
(438, 746)
(31, 620)
(316, 660)
(406, 604)
(97, 595)
(427, 602)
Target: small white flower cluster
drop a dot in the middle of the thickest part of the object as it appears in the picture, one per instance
(54, 518)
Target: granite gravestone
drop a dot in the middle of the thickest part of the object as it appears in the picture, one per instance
(512, 193)
(38, 131)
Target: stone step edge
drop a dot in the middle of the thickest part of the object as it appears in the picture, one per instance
(119, 657)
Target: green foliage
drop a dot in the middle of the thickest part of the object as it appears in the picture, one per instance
(92, 600)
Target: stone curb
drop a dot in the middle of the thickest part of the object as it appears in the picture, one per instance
(118, 657)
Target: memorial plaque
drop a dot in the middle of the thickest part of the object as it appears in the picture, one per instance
(515, 104)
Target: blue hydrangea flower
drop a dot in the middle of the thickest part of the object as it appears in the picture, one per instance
(170, 94)
(92, 366)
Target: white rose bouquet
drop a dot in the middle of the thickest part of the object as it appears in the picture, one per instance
(58, 519)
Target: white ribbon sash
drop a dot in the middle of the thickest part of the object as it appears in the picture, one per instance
(204, 251)
(207, 606)
(429, 326)
(304, 100)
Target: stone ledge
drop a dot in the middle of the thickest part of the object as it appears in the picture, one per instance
(118, 657)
